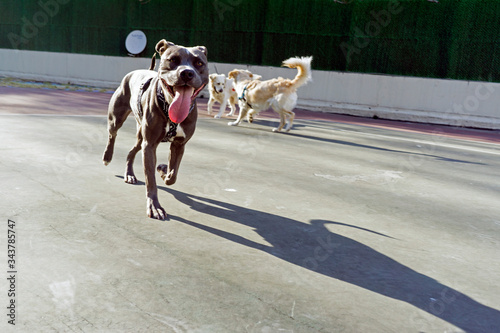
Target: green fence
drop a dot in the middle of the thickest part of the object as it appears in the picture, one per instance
(458, 39)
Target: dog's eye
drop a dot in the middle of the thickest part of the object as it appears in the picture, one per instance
(198, 63)
(174, 60)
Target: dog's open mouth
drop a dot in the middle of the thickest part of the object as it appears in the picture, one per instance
(183, 96)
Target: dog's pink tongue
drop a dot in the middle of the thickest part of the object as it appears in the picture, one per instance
(179, 109)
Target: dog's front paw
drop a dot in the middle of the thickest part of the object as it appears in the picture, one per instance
(232, 123)
(276, 129)
(217, 116)
(130, 179)
(155, 211)
(162, 169)
(107, 156)
(169, 177)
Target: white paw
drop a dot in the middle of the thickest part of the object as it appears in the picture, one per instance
(130, 179)
(217, 116)
(154, 210)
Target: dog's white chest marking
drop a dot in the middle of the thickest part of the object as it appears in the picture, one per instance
(180, 132)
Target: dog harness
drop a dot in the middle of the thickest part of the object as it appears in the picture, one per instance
(172, 127)
(160, 97)
(242, 97)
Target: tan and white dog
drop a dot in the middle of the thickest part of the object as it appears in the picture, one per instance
(222, 91)
(280, 94)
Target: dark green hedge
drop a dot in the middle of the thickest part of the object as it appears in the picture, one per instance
(458, 39)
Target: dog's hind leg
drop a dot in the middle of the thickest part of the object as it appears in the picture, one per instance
(286, 118)
(118, 111)
(221, 109)
(114, 124)
(281, 112)
(129, 171)
(250, 115)
(284, 105)
(291, 117)
(232, 105)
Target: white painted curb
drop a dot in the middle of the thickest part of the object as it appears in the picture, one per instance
(450, 102)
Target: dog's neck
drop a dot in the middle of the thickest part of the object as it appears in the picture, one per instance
(241, 85)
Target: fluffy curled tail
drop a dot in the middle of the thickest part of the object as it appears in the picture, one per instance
(303, 65)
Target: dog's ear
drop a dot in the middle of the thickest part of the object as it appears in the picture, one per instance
(212, 76)
(232, 74)
(202, 49)
(162, 46)
(255, 77)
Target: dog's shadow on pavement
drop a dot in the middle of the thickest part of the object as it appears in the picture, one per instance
(425, 153)
(314, 247)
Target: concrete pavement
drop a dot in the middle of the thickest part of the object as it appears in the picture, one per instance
(343, 225)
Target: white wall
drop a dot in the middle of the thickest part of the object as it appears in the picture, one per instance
(452, 102)
(99, 71)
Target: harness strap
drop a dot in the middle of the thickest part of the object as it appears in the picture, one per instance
(143, 88)
(172, 127)
(242, 97)
(160, 97)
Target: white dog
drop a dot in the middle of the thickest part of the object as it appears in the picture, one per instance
(221, 90)
(280, 94)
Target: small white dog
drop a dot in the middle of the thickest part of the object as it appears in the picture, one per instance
(280, 94)
(222, 90)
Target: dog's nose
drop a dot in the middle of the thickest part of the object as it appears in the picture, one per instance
(187, 74)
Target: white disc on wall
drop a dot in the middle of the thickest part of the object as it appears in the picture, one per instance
(136, 42)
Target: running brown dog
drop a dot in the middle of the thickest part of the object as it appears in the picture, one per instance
(164, 107)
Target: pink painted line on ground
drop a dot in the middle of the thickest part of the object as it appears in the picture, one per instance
(60, 102)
